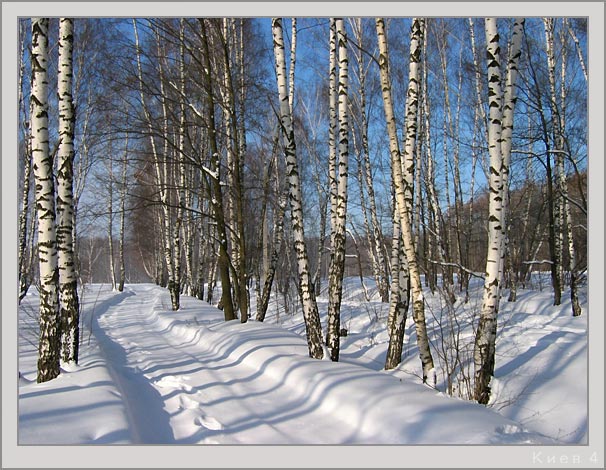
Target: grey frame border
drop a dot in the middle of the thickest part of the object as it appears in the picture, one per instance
(15, 456)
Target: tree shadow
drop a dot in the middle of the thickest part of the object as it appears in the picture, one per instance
(149, 423)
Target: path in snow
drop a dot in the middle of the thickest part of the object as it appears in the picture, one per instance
(148, 421)
(154, 376)
(175, 390)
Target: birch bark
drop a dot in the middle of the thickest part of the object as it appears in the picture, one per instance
(337, 259)
(487, 329)
(310, 308)
(278, 236)
(48, 345)
(123, 187)
(501, 107)
(217, 191)
(381, 267)
(68, 292)
(160, 170)
(110, 224)
(332, 124)
(234, 203)
(558, 123)
(403, 175)
(172, 248)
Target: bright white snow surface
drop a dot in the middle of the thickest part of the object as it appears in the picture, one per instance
(148, 375)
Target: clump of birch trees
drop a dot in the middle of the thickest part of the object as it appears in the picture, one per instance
(59, 308)
(233, 162)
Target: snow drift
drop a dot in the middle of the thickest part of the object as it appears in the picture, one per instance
(152, 376)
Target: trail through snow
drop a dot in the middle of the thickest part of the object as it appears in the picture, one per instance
(153, 376)
(186, 383)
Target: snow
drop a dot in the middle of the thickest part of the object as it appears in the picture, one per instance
(148, 375)
(541, 364)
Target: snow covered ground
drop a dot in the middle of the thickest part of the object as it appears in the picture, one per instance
(148, 375)
(541, 364)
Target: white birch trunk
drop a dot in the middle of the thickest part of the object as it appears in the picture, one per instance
(403, 175)
(478, 80)
(577, 47)
(24, 281)
(486, 334)
(172, 248)
(310, 308)
(399, 296)
(230, 153)
(110, 225)
(397, 312)
(337, 259)
(332, 124)
(433, 203)
(160, 171)
(381, 266)
(68, 292)
(188, 234)
(501, 107)
(412, 102)
(458, 190)
(123, 186)
(242, 151)
(558, 122)
(181, 170)
(509, 101)
(48, 346)
(234, 163)
(293, 63)
(202, 260)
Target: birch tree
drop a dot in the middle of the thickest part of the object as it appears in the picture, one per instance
(332, 123)
(377, 251)
(160, 170)
(123, 187)
(68, 292)
(172, 228)
(110, 223)
(577, 46)
(234, 162)
(403, 175)
(555, 249)
(310, 308)
(216, 189)
(270, 261)
(48, 346)
(445, 238)
(399, 300)
(500, 118)
(179, 177)
(278, 235)
(558, 124)
(337, 259)
(185, 174)
(435, 212)
(400, 285)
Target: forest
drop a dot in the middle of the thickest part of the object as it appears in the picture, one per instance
(258, 164)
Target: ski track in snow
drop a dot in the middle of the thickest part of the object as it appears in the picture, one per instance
(191, 385)
(188, 377)
(148, 422)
